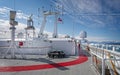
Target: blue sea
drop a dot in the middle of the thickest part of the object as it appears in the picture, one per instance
(107, 45)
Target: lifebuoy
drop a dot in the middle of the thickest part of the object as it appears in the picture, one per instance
(20, 43)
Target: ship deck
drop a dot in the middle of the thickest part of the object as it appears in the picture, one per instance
(42, 65)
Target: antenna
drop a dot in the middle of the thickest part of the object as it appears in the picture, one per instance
(30, 26)
(14, 4)
(13, 46)
(13, 23)
(39, 12)
(73, 28)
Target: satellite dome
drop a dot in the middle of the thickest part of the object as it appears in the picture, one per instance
(83, 34)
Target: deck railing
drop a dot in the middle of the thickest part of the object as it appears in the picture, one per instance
(108, 58)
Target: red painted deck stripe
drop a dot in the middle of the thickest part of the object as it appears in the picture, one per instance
(80, 60)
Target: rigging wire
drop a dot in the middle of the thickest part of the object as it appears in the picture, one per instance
(84, 14)
(14, 5)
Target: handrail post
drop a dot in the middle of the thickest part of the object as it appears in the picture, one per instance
(91, 59)
(113, 48)
(103, 63)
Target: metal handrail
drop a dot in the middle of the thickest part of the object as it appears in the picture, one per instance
(105, 55)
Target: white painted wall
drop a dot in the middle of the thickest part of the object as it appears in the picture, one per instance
(43, 47)
(65, 45)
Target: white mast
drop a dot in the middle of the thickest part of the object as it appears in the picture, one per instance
(13, 46)
(42, 26)
(13, 23)
(47, 13)
(55, 34)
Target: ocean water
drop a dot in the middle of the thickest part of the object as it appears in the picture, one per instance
(107, 45)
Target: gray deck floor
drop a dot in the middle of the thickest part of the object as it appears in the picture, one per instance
(80, 69)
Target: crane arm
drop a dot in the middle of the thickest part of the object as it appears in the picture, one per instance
(42, 27)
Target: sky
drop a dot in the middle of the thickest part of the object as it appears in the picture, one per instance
(99, 18)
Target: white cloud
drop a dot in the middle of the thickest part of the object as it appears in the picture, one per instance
(4, 12)
(93, 38)
(4, 23)
(81, 6)
(21, 15)
(4, 28)
(78, 8)
(90, 12)
(5, 32)
(115, 4)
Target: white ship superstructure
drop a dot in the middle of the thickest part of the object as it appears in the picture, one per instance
(41, 44)
(29, 56)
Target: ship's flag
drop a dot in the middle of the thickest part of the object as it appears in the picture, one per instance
(60, 20)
